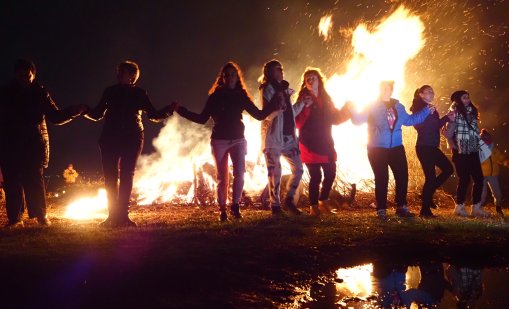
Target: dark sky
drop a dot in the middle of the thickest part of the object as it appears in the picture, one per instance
(181, 45)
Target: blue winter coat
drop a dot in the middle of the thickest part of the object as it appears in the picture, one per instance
(379, 133)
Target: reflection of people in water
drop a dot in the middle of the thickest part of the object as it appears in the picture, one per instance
(466, 284)
(433, 281)
(392, 289)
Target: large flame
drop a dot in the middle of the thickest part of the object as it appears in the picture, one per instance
(183, 148)
(325, 26)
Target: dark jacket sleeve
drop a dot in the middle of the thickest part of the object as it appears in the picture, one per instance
(97, 113)
(153, 114)
(55, 115)
(252, 110)
(201, 118)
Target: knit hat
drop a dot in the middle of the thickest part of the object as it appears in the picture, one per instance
(456, 96)
(486, 136)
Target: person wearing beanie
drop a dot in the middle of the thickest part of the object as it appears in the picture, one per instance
(464, 142)
(385, 117)
(428, 150)
(491, 170)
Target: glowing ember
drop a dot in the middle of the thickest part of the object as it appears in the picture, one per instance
(89, 207)
(325, 26)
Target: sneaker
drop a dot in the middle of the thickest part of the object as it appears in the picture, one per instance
(314, 211)
(478, 212)
(459, 210)
(381, 214)
(235, 208)
(426, 213)
(44, 221)
(290, 206)
(403, 212)
(223, 216)
(15, 224)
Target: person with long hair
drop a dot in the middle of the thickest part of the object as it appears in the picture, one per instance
(279, 136)
(227, 100)
(385, 146)
(465, 153)
(122, 137)
(315, 138)
(427, 148)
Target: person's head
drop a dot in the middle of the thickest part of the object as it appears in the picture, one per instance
(230, 76)
(70, 166)
(128, 72)
(24, 71)
(386, 89)
(423, 96)
(461, 97)
(486, 136)
(272, 72)
(313, 79)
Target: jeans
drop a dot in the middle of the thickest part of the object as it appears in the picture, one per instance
(381, 159)
(430, 157)
(119, 162)
(468, 166)
(235, 149)
(315, 178)
(291, 152)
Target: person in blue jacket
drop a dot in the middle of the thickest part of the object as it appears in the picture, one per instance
(385, 146)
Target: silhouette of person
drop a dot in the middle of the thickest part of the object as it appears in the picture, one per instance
(121, 140)
(24, 107)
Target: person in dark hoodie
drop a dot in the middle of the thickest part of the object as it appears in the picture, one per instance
(385, 146)
(122, 137)
(228, 98)
(315, 138)
(24, 107)
(427, 148)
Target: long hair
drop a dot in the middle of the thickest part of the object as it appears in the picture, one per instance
(418, 103)
(460, 107)
(321, 85)
(240, 85)
(266, 73)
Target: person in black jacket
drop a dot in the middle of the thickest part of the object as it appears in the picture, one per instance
(228, 98)
(121, 139)
(427, 148)
(24, 107)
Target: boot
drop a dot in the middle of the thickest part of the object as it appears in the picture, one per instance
(426, 213)
(459, 210)
(499, 211)
(235, 209)
(314, 211)
(478, 212)
(324, 207)
(223, 216)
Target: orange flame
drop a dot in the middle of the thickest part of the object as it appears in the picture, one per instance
(325, 26)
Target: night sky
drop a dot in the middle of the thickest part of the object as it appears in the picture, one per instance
(181, 45)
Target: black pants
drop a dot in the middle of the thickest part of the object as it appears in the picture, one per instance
(381, 159)
(24, 182)
(315, 178)
(430, 157)
(119, 162)
(468, 165)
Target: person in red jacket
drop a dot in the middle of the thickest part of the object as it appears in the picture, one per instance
(316, 143)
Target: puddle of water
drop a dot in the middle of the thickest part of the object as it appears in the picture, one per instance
(427, 285)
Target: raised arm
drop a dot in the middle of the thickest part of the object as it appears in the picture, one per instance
(340, 115)
(97, 113)
(201, 118)
(153, 114)
(252, 110)
(60, 116)
(413, 119)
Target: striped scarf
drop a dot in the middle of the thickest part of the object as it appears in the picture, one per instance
(467, 133)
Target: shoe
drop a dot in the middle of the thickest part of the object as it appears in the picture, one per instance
(314, 211)
(478, 212)
(381, 214)
(290, 206)
(324, 207)
(426, 213)
(223, 216)
(499, 211)
(15, 224)
(459, 210)
(277, 211)
(403, 212)
(235, 209)
(44, 221)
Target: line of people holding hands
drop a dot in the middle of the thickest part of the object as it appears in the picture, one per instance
(25, 105)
